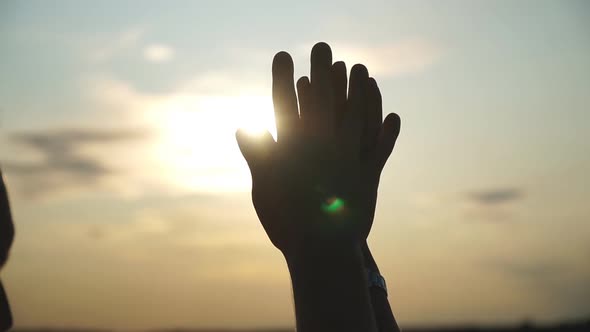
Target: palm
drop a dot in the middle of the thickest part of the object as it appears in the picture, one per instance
(300, 196)
(319, 180)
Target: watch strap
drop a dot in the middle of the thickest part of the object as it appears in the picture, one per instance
(376, 280)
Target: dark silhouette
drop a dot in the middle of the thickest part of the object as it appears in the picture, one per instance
(565, 326)
(315, 189)
(6, 237)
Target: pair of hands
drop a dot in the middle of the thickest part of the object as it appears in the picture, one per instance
(316, 186)
(318, 182)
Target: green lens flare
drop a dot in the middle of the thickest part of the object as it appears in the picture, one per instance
(333, 205)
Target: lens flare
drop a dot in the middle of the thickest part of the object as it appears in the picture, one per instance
(333, 205)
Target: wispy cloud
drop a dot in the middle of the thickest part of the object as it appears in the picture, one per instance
(490, 205)
(125, 40)
(496, 196)
(130, 40)
(534, 270)
(61, 164)
(158, 53)
(493, 204)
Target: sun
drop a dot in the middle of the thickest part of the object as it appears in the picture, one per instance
(255, 115)
(196, 145)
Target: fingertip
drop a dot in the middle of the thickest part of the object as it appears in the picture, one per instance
(322, 53)
(240, 137)
(321, 44)
(321, 48)
(389, 134)
(302, 82)
(392, 124)
(282, 56)
(339, 65)
(393, 118)
(374, 90)
(245, 145)
(339, 72)
(282, 61)
(359, 70)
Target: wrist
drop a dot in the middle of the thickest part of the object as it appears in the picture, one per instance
(325, 254)
(330, 282)
(330, 269)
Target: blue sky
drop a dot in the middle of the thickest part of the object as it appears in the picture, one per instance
(116, 136)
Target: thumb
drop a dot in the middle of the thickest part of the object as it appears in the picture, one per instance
(387, 138)
(254, 148)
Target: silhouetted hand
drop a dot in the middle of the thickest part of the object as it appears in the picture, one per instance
(318, 182)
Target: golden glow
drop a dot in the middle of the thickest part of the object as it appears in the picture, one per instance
(197, 147)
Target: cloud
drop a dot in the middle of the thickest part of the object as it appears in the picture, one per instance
(523, 269)
(158, 53)
(60, 163)
(492, 204)
(125, 40)
(62, 141)
(496, 196)
(488, 205)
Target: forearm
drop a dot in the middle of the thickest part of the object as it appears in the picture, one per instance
(330, 290)
(383, 313)
(5, 314)
(381, 308)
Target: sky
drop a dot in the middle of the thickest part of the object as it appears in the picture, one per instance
(131, 199)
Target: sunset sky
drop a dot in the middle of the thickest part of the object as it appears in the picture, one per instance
(131, 199)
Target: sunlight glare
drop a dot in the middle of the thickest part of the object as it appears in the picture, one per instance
(197, 147)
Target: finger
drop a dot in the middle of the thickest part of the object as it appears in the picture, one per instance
(304, 94)
(356, 107)
(339, 83)
(374, 115)
(255, 149)
(6, 226)
(321, 119)
(283, 96)
(387, 138)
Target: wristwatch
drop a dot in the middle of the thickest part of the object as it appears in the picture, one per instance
(376, 280)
